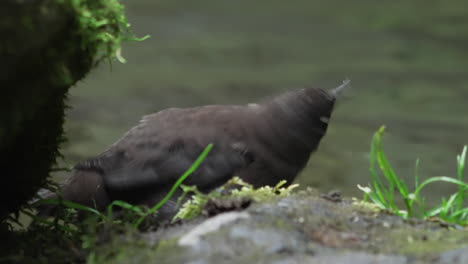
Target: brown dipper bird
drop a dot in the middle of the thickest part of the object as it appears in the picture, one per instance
(261, 143)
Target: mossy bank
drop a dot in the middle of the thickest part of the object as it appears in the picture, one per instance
(46, 47)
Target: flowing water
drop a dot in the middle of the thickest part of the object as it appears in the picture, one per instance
(408, 62)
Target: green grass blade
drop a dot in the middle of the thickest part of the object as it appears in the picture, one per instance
(422, 205)
(368, 193)
(416, 175)
(383, 167)
(460, 168)
(440, 179)
(449, 204)
(461, 214)
(389, 173)
(413, 197)
(383, 195)
(44, 221)
(194, 166)
(134, 208)
(461, 163)
(390, 176)
(73, 205)
(376, 199)
(443, 211)
(377, 184)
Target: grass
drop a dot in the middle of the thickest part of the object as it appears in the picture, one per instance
(68, 231)
(71, 239)
(387, 188)
(137, 210)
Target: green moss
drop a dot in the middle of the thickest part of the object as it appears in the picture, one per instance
(133, 249)
(418, 242)
(51, 45)
(102, 26)
(194, 206)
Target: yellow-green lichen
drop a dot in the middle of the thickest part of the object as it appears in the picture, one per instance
(194, 206)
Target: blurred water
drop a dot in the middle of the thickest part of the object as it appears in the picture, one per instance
(407, 60)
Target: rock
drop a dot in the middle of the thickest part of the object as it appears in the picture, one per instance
(456, 256)
(193, 237)
(302, 228)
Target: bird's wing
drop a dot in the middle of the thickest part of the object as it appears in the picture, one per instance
(159, 150)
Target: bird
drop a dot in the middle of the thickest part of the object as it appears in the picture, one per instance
(262, 143)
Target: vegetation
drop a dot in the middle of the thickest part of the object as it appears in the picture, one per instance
(383, 194)
(102, 26)
(48, 46)
(73, 236)
(194, 206)
(72, 231)
(68, 232)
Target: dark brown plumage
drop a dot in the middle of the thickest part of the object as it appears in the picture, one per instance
(262, 143)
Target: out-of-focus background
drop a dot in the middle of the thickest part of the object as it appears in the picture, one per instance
(408, 62)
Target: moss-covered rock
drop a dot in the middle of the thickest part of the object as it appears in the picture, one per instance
(301, 228)
(298, 228)
(46, 46)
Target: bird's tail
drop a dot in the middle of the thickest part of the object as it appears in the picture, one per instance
(44, 209)
(82, 187)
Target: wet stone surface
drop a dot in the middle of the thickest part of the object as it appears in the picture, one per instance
(303, 228)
